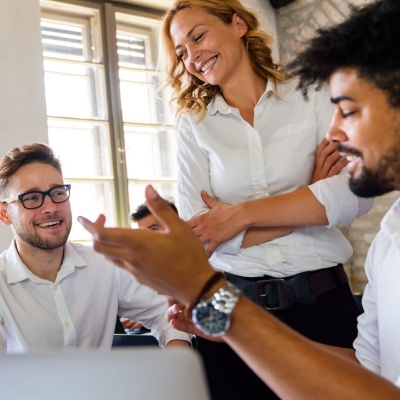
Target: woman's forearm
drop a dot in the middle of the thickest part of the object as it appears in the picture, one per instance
(255, 236)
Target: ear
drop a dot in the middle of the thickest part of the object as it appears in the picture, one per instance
(4, 217)
(241, 26)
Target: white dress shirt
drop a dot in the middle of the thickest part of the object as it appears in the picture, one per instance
(79, 309)
(378, 342)
(234, 162)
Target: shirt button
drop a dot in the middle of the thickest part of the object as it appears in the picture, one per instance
(66, 324)
(55, 287)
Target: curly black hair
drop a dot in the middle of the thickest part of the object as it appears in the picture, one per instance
(366, 41)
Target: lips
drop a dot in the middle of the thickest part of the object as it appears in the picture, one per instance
(49, 224)
(208, 64)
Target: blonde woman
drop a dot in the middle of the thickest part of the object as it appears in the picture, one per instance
(248, 139)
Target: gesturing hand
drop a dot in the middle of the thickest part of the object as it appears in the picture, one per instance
(172, 261)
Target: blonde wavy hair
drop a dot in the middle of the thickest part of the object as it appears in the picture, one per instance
(190, 93)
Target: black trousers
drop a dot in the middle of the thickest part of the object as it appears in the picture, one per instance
(331, 320)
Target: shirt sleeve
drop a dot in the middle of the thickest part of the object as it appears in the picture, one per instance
(193, 177)
(367, 341)
(140, 303)
(193, 172)
(341, 205)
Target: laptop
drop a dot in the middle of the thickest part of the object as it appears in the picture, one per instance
(145, 373)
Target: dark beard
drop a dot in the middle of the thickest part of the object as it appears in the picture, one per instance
(379, 182)
(37, 241)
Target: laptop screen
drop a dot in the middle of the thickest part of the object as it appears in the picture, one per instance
(145, 373)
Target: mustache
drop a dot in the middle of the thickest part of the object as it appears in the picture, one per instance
(348, 150)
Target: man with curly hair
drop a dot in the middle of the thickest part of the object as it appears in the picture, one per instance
(360, 59)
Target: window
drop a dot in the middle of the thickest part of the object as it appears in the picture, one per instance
(107, 119)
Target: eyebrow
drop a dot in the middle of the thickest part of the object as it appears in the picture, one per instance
(338, 99)
(187, 35)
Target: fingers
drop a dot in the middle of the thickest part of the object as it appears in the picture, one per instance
(91, 227)
(192, 223)
(161, 209)
(101, 220)
(211, 202)
(328, 161)
(212, 246)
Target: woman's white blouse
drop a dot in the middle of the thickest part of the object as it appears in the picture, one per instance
(235, 162)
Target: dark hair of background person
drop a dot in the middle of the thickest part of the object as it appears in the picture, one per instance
(142, 211)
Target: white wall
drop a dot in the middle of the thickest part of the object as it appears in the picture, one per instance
(22, 101)
(266, 13)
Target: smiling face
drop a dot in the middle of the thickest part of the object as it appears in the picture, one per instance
(210, 49)
(46, 227)
(368, 128)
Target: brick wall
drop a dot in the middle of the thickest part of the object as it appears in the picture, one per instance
(296, 23)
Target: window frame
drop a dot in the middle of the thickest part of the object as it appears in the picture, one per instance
(108, 57)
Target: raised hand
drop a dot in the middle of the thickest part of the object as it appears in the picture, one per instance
(328, 161)
(172, 261)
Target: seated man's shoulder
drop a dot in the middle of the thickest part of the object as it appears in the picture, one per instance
(88, 254)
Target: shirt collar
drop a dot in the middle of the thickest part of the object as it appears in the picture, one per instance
(17, 271)
(218, 103)
(391, 223)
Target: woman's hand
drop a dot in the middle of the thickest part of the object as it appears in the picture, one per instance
(328, 161)
(221, 223)
(176, 316)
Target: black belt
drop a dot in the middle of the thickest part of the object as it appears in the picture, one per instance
(280, 293)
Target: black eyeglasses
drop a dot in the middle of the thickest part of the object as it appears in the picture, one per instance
(35, 199)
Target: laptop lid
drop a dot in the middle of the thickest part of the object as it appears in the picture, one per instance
(144, 373)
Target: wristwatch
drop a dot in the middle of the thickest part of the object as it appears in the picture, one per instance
(213, 315)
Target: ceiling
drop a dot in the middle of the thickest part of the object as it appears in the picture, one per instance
(159, 4)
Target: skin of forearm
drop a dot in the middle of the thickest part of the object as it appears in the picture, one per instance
(178, 343)
(299, 208)
(297, 368)
(255, 236)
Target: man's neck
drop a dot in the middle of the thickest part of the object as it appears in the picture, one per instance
(45, 264)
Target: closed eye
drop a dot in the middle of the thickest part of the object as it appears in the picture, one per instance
(197, 38)
(182, 55)
(347, 114)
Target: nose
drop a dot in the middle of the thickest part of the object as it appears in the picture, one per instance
(193, 54)
(48, 204)
(335, 131)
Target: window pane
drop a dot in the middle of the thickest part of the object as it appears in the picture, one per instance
(150, 153)
(139, 101)
(90, 199)
(83, 147)
(63, 40)
(131, 50)
(74, 90)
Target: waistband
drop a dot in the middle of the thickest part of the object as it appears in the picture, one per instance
(280, 293)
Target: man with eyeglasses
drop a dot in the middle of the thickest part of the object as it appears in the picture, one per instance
(53, 293)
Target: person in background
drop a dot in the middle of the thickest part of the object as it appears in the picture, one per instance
(144, 219)
(54, 293)
(258, 146)
(361, 60)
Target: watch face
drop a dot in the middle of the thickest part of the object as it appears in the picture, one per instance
(209, 320)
